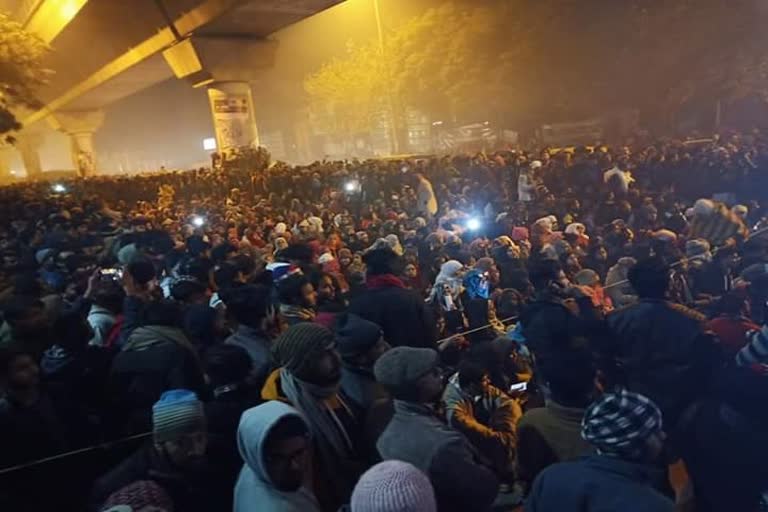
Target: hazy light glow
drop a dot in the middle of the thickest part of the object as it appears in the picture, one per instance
(209, 144)
(473, 224)
(198, 221)
(59, 188)
(352, 186)
(53, 15)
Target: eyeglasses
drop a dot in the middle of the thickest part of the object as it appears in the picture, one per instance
(287, 458)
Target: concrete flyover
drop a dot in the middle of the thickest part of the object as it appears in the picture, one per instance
(106, 50)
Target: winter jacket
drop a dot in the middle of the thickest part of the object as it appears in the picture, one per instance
(663, 352)
(401, 314)
(597, 483)
(154, 359)
(489, 423)
(416, 435)
(548, 435)
(618, 288)
(254, 489)
(257, 344)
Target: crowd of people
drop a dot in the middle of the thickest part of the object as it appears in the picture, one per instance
(574, 329)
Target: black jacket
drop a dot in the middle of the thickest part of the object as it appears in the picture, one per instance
(664, 352)
(400, 312)
(154, 359)
(549, 326)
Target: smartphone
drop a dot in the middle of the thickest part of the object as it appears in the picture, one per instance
(114, 273)
(518, 388)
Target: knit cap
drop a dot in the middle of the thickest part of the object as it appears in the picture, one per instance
(356, 335)
(401, 367)
(138, 496)
(297, 346)
(620, 423)
(178, 412)
(393, 486)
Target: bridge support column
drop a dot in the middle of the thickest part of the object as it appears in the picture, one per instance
(80, 126)
(6, 152)
(28, 145)
(234, 121)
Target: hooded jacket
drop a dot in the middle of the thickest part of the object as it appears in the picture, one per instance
(254, 488)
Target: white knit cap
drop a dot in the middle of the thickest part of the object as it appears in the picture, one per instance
(393, 486)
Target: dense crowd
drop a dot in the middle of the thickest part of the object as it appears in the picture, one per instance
(565, 329)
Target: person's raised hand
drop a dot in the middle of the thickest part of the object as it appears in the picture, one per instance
(93, 281)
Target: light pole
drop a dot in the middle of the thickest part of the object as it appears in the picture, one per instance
(394, 144)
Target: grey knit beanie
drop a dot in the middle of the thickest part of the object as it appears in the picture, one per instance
(178, 412)
(297, 346)
(401, 367)
(393, 486)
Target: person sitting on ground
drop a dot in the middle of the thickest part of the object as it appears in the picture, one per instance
(156, 357)
(309, 377)
(250, 306)
(662, 348)
(360, 344)
(174, 459)
(29, 325)
(275, 445)
(550, 434)
(228, 371)
(32, 424)
(732, 322)
(617, 284)
(626, 430)
(107, 298)
(417, 435)
(558, 313)
(139, 496)
(298, 299)
(484, 414)
(400, 312)
(393, 486)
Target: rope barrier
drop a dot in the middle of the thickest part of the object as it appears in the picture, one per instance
(102, 446)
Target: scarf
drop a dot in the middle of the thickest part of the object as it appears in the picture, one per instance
(333, 441)
(384, 281)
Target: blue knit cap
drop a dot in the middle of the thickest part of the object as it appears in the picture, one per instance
(178, 412)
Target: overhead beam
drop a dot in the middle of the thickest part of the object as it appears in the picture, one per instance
(185, 24)
(47, 18)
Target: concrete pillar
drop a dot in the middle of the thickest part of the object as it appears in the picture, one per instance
(28, 145)
(233, 117)
(80, 126)
(6, 153)
(83, 154)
